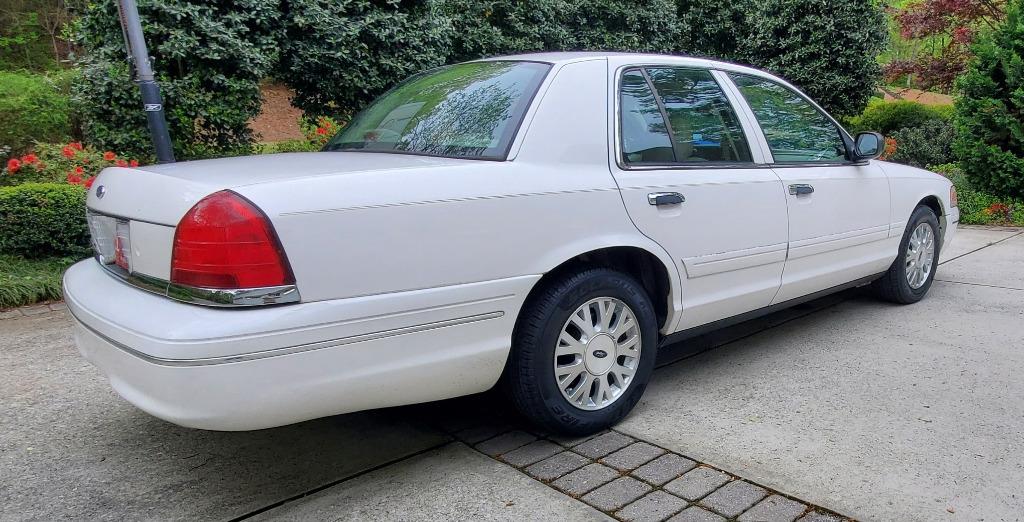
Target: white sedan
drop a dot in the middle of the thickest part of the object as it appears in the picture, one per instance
(544, 221)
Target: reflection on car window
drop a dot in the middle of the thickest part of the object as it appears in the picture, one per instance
(470, 110)
(644, 135)
(703, 123)
(796, 131)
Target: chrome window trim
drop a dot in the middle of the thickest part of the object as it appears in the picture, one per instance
(288, 350)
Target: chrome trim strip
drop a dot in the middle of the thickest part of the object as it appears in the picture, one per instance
(288, 350)
(212, 297)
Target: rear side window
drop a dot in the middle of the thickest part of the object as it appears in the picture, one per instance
(797, 132)
(702, 127)
(645, 137)
(469, 110)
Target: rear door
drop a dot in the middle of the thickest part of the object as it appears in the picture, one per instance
(838, 209)
(692, 182)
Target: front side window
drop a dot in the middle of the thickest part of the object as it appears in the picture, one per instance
(797, 132)
(469, 110)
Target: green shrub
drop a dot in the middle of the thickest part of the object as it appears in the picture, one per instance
(33, 107)
(888, 117)
(340, 55)
(713, 28)
(209, 57)
(978, 207)
(990, 107)
(57, 163)
(925, 145)
(26, 281)
(829, 48)
(508, 26)
(43, 220)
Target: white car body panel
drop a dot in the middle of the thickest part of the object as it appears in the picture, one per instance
(412, 270)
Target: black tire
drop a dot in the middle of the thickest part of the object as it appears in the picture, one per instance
(529, 378)
(893, 286)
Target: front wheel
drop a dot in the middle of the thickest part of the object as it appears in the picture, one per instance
(583, 352)
(911, 275)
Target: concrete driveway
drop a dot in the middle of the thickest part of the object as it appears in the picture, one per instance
(873, 411)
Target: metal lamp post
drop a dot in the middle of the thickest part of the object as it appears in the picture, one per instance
(151, 100)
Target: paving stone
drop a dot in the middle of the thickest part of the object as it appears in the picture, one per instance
(664, 468)
(817, 516)
(696, 514)
(573, 441)
(697, 483)
(602, 445)
(533, 452)
(654, 507)
(775, 508)
(734, 497)
(58, 307)
(505, 442)
(585, 479)
(616, 493)
(481, 433)
(554, 467)
(632, 456)
(35, 310)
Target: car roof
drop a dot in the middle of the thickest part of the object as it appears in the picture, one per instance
(558, 58)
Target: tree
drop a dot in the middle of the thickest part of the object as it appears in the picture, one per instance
(990, 107)
(492, 27)
(941, 32)
(827, 47)
(339, 55)
(209, 57)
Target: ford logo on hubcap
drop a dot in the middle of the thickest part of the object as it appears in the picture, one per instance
(600, 354)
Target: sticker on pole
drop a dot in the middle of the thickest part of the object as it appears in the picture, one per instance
(153, 107)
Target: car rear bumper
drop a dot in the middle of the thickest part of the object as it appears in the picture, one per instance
(156, 356)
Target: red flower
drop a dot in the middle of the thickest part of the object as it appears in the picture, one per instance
(88, 182)
(133, 163)
(13, 165)
(68, 152)
(321, 130)
(79, 171)
(122, 163)
(109, 156)
(74, 179)
(75, 145)
(29, 158)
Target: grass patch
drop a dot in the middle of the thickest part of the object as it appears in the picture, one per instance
(26, 281)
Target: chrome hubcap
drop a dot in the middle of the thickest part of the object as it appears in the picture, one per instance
(920, 255)
(597, 353)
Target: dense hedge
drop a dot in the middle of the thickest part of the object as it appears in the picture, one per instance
(43, 219)
(827, 47)
(990, 108)
(209, 57)
(888, 117)
(33, 107)
(339, 55)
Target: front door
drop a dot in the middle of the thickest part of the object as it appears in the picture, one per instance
(691, 182)
(838, 210)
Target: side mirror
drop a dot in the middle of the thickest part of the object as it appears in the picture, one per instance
(868, 146)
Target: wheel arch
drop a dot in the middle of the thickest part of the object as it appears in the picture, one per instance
(654, 272)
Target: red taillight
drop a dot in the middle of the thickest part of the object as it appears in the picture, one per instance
(225, 242)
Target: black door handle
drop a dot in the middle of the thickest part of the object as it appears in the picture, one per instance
(801, 189)
(662, 199)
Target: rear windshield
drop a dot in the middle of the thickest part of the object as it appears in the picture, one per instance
(469, 110)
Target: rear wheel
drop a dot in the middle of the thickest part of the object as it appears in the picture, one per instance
(911, 275)
(583, 352)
